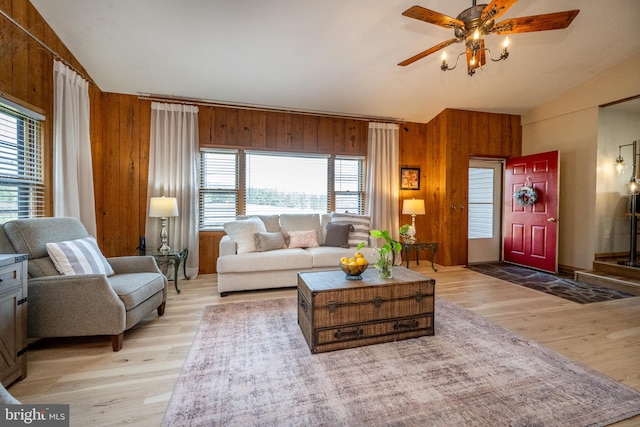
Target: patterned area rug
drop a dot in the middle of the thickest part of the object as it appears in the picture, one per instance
(558, 285)
(249, 365)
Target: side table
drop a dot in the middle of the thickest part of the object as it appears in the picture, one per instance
(417, 247)
(174, 258)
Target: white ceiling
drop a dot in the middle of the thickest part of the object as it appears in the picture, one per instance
(337, 56)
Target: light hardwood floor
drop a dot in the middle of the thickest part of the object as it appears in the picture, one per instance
(133, 386)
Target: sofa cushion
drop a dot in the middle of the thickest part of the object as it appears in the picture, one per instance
(361, 224)
(271, 222)
(300, 222)
(242, 231)
(135, 288)
(338, 235)
(269, 241)
(279, 259)
(303, 239)
(80, 256)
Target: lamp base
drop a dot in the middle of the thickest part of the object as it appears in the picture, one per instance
(164, 247)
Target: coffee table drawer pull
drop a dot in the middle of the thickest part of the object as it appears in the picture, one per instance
(406, 325)
(357, 332)
(303, 305)
(377, 302)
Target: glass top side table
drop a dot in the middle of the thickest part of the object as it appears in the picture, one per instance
(417, 247)
(174, 258)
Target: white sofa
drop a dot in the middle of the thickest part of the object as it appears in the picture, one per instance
(278, 268)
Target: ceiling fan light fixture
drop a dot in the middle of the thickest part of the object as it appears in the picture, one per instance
(472, 24)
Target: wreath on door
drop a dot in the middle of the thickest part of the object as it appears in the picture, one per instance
(526, 196)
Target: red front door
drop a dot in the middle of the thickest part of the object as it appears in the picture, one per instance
(530, 231)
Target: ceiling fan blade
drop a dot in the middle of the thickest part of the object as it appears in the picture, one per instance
(426, 15)
(428, 52)
(527, 24)
(496, 8)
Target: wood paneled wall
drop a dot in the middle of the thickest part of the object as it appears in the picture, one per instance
(452, 138)
(26, 69)
(120, 129)
(278, 131)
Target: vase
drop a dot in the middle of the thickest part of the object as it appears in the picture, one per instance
(385, 269)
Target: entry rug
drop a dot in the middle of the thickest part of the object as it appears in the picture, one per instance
(559, 286)
(249, 365)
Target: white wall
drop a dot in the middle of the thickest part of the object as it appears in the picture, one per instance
(569, 124)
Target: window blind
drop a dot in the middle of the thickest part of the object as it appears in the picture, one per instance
(21, 163)
(218, 187)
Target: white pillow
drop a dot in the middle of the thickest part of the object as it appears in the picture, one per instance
(81, 256)
(361, 225)
(242, 232)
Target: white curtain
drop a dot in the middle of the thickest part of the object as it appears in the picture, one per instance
(174, 172)
(383, 180)
(72, 168)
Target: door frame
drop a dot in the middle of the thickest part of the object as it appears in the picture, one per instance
(498, 211)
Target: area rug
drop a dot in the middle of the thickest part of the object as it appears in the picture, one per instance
(558, 285)
(249, 365)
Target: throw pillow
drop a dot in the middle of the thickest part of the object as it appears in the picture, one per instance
(338, 234)
(361, 224)
(80, 256)
(303, 239)
(242, 232)
(300, 222)
(268, 241)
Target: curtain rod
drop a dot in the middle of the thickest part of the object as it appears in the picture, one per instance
(213, 103)
(57, 56)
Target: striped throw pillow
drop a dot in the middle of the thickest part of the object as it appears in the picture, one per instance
(361, 224)
(81, 256)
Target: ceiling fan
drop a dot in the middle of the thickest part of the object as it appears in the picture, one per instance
(479, 20)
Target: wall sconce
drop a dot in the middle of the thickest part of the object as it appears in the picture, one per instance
(163, 208)
(633, 188)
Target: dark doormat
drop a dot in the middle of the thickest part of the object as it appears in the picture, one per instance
(558, 285)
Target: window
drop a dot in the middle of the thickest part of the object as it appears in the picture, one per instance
(218, 187)
(21, 163)
(349, 184)
(279, 183)
(235, 182)
(481, 203)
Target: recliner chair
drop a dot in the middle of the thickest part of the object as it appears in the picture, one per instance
(88, 304)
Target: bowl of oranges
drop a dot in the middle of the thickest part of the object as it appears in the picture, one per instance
(354, 267)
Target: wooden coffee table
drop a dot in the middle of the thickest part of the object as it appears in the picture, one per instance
(335, 313)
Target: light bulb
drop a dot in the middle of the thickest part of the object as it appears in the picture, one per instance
(444, 56)
(476, 34)
(505, 43)
(621, 166)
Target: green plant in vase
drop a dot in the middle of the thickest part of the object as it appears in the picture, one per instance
(384, 263)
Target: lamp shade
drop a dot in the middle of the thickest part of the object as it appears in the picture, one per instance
(163, 207)
(413, 207)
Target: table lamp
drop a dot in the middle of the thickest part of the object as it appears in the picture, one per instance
(413, 207)
(163, 208)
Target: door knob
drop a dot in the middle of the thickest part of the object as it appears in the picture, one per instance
(552, 220)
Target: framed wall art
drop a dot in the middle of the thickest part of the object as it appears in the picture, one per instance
(409, 178)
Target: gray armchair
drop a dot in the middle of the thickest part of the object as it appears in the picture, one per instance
(89, 304)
